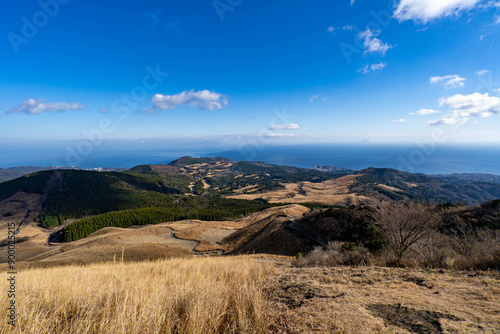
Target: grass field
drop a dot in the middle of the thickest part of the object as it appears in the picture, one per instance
(252, 294)
(195, 295)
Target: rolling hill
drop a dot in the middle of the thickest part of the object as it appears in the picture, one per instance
(70, 205)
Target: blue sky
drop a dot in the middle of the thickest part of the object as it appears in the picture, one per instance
(236, 70)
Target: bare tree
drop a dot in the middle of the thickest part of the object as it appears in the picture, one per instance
(405, 224)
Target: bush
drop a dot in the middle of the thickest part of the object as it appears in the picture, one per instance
(476, 251)
(337, 253)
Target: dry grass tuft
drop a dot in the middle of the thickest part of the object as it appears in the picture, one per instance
(195, 295)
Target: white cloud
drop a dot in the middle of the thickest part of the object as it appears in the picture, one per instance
(422, 112)
(401, 120)
(448, 120)
(463, 107)
(476, 104)
(348, 28)
(330, 29)
(482, 72)
(203, 99)
(448, 81)
(290, 126)
(427, 10)
(35, 107)
(314, 97)
(372, 44)
(497, 90)
(372, 68)
(352, 2)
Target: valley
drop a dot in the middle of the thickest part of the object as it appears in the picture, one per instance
(322, 238)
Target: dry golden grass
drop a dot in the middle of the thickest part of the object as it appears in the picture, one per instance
(189, 295)
(383, 300)
(252, 294)
(150, 242)
(257, 222)
(327, 192)
(197, 230)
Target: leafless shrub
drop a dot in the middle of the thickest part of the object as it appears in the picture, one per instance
(479, 250)
(336, 254)
(433, 249)
(405, 224)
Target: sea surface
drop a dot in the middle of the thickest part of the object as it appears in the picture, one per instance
(413, 158)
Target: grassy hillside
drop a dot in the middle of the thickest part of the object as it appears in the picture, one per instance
(203, 208)
(203, 295)
(73, 194)
(251, 295)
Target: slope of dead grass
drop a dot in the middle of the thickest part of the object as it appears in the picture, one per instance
(383, 300)
(195, 295)
(328, 192)
(136, 243)
(252, 294)
(258, 223)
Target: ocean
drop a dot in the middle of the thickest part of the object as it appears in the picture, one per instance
(442, 159)
(408, 158)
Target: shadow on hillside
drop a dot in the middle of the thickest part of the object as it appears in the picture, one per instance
(412, 320)
(56, 237)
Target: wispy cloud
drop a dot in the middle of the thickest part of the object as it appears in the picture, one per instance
(401, 120)
(448, 120)
(352, 2)
(427, 10)
(35, 107)
(463, 107)
(448, 81)
(423, 112)
(290, 126)
(372, 44)
(314, 97)
(372, 68)
(203, 99)
(154, 19)
(331, 29)
(482, 73)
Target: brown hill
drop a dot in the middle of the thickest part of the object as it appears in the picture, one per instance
(330, 192)
(172, 239)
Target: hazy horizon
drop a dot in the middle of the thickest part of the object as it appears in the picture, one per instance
(427, 158)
